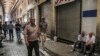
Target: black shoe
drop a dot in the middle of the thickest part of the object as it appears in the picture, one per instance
(1, 53)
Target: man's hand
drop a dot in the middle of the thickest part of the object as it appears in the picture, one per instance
(27, 43)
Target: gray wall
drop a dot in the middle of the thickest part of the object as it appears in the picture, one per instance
(68, 21)
(46, 11)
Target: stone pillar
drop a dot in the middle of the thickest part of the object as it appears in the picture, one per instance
(36, 14)
(54, 16)
(89, 9)
(98, 20)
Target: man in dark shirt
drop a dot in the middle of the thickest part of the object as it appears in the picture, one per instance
(5, 29)
(18, 31)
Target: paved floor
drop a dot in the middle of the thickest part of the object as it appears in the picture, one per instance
(61, 49)
(13, 48)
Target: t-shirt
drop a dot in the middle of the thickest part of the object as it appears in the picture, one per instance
(5, 27)
(80, 38)
(18, 27)
(10, 26)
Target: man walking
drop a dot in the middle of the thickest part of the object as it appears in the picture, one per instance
(18, 31)
(5, 29)
(31, 35)
(43, 29)
(11, 26)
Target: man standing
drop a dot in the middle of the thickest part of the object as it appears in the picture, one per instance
(18, 31)
(11, 26)
(31, 35)
(43, 28)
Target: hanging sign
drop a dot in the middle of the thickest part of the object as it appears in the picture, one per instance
(60, 2)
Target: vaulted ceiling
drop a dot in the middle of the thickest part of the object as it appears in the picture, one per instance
(8, 5)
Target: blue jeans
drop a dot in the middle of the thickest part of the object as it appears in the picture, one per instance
(18, 34)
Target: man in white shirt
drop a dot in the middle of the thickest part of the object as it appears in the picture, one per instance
(90, 43)
(80, 43)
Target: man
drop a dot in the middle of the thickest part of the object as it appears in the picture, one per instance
(43, 28)
(31, 35)
(18, 31)
(5, 29)
(90, 43)
(80, 43)
(11, 26)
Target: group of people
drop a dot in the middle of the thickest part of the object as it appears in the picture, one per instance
(86, 42)
(32, 33)
(8, 28)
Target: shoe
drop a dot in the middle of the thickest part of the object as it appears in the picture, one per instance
(1, 53)
(95, 54)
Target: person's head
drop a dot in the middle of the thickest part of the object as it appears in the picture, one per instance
(90, 34)
(43, 19)
(82, 33)
(5, 22)
(32, 20)
(10, 22)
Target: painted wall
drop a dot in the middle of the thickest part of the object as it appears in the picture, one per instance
(47, 12)
(89, 9)
(1, 13)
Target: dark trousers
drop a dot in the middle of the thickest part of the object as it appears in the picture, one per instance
(0, 43)
(79, 45)
(5, 33)
(34, 45)
(11, 34)
(18, 34)
(90, 48)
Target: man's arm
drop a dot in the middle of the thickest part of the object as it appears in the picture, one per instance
(39, 33)
(25, 36)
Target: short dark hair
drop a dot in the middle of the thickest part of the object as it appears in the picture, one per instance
(42, 18)
(10, 21)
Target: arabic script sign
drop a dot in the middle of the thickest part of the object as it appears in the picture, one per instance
(60, 2)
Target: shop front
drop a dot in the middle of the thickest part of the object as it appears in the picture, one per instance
(68, 19)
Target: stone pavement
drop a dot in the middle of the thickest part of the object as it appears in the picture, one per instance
(60, 49)
(13, 48)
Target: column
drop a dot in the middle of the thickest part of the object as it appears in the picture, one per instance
(89, 9)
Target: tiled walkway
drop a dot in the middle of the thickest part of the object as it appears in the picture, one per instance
(15, 49)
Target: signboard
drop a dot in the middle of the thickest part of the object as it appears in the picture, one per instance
(41, 1)
(60, 2)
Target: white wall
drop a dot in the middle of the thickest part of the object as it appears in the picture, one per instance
(89, 23)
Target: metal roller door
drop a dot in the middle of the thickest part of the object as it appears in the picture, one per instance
(68, 20)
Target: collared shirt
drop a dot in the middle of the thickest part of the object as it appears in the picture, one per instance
(90, 40)
(80, 38)
(31, 32)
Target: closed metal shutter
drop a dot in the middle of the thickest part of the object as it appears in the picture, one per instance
(68, 20)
